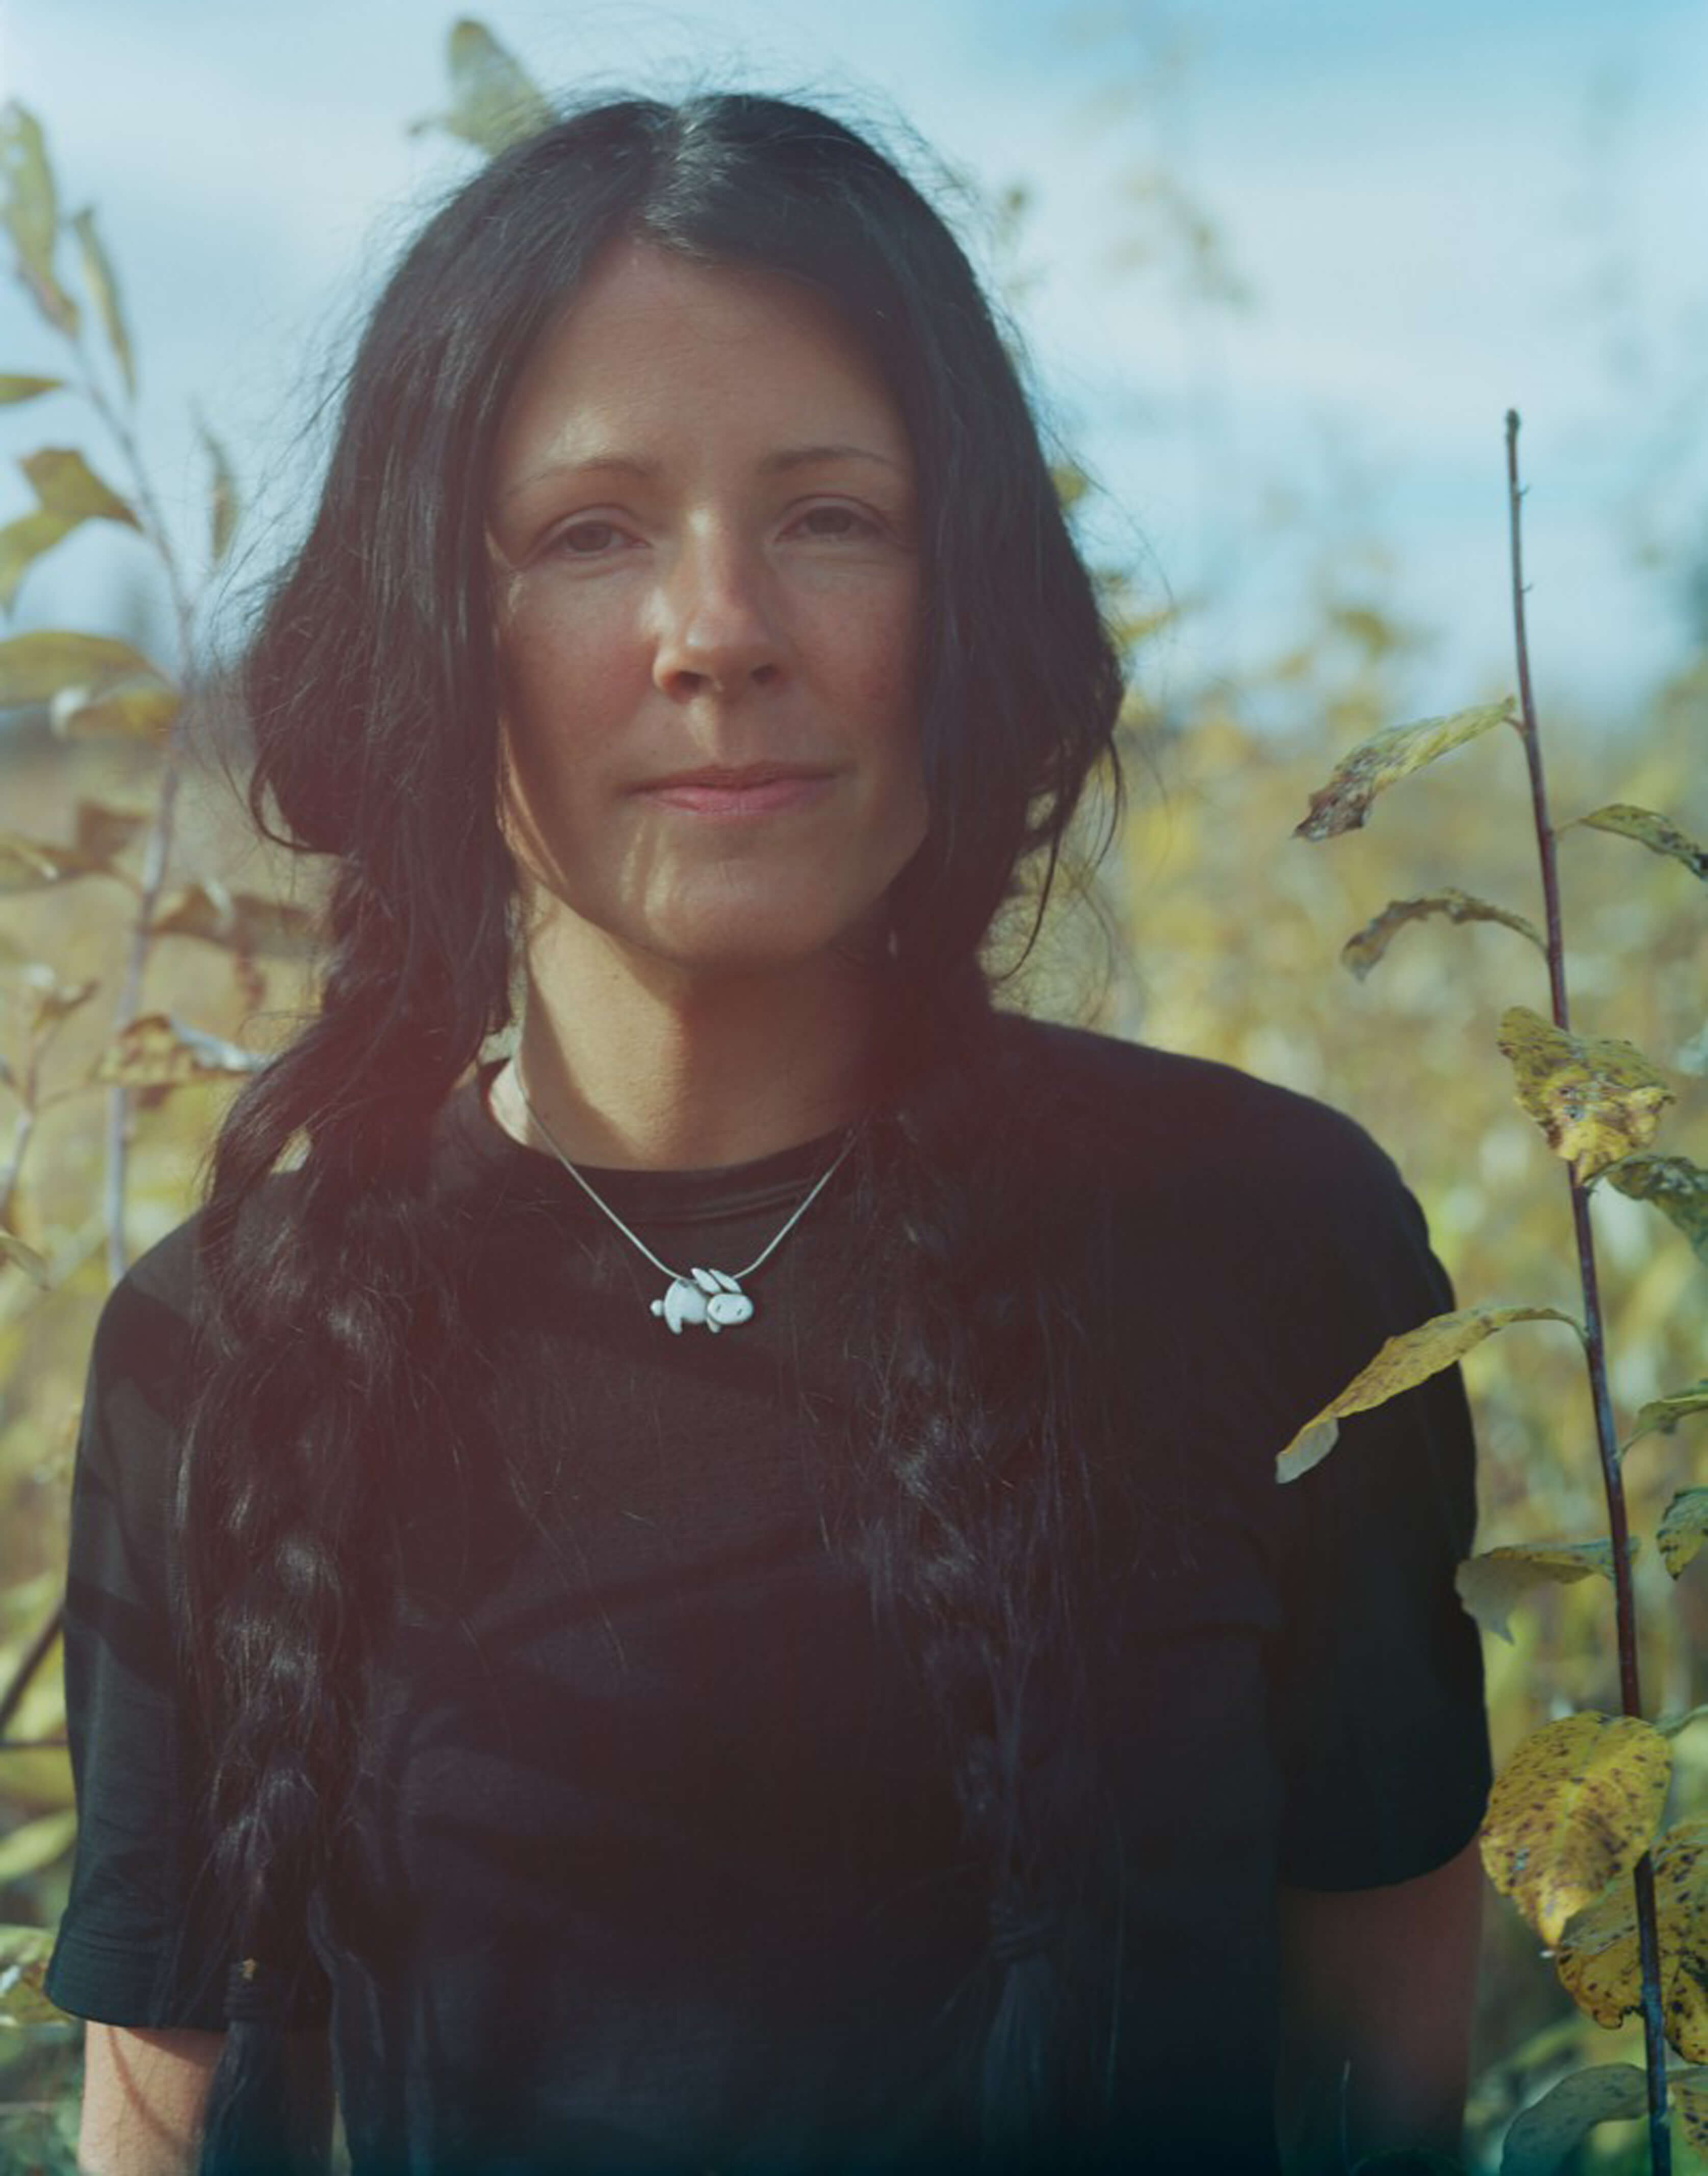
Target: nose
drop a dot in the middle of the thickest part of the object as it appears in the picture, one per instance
(717, 629)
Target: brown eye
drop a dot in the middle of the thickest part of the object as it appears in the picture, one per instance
(586, 539)
(846, 521)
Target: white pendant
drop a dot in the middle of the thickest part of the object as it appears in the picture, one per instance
(709, 1296)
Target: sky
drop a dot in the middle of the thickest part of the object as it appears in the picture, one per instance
(1416, 218)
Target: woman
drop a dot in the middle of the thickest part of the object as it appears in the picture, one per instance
(710, 1594)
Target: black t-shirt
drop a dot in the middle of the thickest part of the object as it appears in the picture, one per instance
(654, 1862)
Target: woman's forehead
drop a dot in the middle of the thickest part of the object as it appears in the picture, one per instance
(656, 344)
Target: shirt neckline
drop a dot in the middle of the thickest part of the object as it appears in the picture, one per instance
(776, 1180)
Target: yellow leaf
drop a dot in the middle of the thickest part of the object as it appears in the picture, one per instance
(1597, 1961)
(32, 864)
(1594, 1099)
(1575, 1808)
(222, 495)
(494, 101)
(1491, 1583)
(1683, 1529)
(1662, 1415)
(35, 667)
(22, 543)
(64, 483)
(98, 276)
(1389, 756)
(29, 212)
(24, 1955)
(1361, 953)
(36, 1844)
(1674, 1185)
(242, 921)
(158, 1051)
(1410, 1358)
(34, 1266)
(103, 832)
(51, 999)
(1542, 2137)
(16, 385)
(1659, 834)
(142, 711)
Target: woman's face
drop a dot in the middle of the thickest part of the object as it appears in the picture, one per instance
(706, 597)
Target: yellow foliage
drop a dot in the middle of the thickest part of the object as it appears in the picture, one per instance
(1597, 1959)
(1491, 1583)
(1596, 1099)
(1403, 1362)
(1574, 1808)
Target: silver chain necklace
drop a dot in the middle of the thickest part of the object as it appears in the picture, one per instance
(713, 1298)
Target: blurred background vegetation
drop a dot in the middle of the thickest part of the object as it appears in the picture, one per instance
(1207, 927)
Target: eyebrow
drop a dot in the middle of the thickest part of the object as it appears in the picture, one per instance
(774, 464)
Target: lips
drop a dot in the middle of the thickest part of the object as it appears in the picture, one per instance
(759, 789)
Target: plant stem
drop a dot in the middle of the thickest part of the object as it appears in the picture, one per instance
(157, 849)
(1594, 1352)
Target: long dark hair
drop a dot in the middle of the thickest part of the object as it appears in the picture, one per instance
(323, 1271)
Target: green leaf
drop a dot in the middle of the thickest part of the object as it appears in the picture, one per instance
(1674, 1185)
(1388, 757)
(1403, 1362)
(1362, 952)
(35, 667)
(98, 276)
(1493, 1583)
(15, 386)
(494, 101)
(22, 543)
(65, 483)
(1659, 834)
(1544, 2136)
(1595, 1099)
(1661, 1416)
(222, 495)
(1681, 1531)
(29, 212)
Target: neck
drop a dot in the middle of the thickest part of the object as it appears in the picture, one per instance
(676, 1071)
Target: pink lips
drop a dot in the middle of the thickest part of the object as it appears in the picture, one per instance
(759, 790)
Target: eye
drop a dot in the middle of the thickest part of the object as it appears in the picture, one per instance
(845, 522)
(586, 539)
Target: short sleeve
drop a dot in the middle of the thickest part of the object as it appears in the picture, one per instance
(137, 1943)
(1378, 1725)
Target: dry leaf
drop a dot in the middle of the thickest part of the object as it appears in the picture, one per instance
(1411, 1357)
(1594, 1099)
(1361, 953)
(1389, 756)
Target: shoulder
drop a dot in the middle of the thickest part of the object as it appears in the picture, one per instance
(1124, 1117)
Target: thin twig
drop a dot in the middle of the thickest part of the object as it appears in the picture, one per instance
(1595, 1353)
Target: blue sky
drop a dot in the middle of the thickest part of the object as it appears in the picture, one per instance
(1435, 214)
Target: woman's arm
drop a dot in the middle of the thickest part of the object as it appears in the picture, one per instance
(1384, 1979)
(143, 2094)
